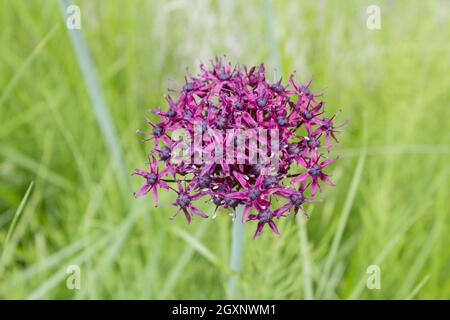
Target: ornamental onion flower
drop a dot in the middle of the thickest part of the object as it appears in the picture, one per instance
(232, 137)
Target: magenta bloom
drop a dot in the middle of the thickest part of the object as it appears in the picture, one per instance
(253, 196)
(296, 199)
(314, 171)
(265, 216)
(232, 137)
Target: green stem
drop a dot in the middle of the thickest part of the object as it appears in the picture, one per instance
(237, 248)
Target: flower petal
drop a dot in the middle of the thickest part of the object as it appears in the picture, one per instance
(314, 186)
(301, 161)
(197, 211)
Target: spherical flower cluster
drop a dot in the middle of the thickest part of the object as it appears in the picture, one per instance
(275, 135)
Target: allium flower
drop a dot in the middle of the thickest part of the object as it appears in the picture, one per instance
(253, 196)
(314, 171)
(243, 139)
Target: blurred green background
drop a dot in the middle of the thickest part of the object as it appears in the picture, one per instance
(389, 207)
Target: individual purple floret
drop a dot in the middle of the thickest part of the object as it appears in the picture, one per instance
(231, 136)
(152, 180)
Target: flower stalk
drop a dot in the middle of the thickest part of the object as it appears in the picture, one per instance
(237, 249)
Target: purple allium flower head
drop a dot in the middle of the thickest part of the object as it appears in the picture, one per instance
(232, 137)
